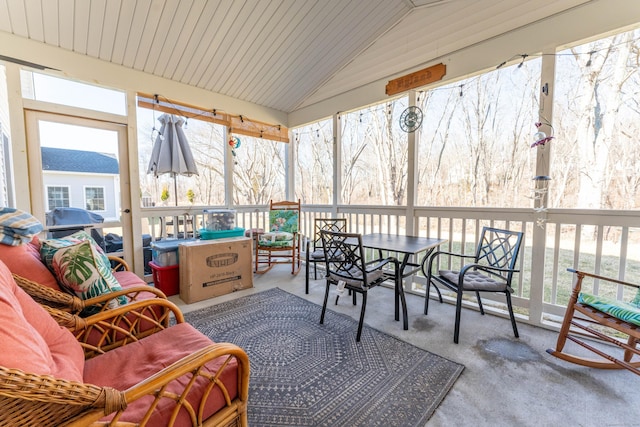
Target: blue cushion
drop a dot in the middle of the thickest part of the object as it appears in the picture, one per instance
(628, 312)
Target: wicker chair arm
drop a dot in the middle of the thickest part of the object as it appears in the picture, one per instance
(67, 302)
(192, 365)
(114, 328)
(132, 293)
(50, 297)
(118, 264)
(34, 400)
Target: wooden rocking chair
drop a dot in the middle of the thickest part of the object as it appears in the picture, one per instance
(588, 315)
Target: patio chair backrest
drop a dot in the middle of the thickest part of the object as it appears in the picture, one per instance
(331, 224)
(499, 248)
(344, 257)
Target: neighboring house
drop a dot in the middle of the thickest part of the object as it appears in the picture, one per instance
(81, 179)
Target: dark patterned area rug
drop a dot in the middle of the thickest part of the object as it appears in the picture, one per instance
(307, 374)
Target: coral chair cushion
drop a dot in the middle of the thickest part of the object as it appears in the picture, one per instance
(24, 260)
(31, 339)
(629, 312)
(137, 361)
(128, 279)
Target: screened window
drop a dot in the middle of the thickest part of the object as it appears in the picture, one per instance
(207, 143)
(42, 87)
(596, 157)
(314, 162)
(474, 145)
(259, 171)
(374, 155)
(58, 197)
(94, 198)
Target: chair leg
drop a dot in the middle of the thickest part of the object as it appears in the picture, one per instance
(403, 301)
(480, 303)
(306, 276)
(456, 332)
(324, 304)
(426, 297)
(364, 306)
(513, 318)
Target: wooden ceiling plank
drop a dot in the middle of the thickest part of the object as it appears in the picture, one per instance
(96, 27)
(50, 26)
(18, 17)
(81, 26)
(175, 56)
(353, 31)
(271, 50)
(255, 19)
(310, 28)
(5, 21)
(178, 23)
(66, 21)
(125, 20)
(223, 21)
(170, 11)
(149, 33)
(189, 57)
(138, 23)
(253, 58)
(109, 29)
(35, 23)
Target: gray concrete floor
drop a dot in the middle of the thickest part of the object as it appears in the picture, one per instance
(507, 381)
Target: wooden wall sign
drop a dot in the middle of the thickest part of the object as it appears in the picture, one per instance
(417, 79)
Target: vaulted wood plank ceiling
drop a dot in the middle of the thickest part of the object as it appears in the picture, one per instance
(282, 54)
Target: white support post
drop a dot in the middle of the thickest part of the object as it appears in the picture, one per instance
(541, 198)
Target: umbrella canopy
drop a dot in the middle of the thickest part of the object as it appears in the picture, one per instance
(171, 152)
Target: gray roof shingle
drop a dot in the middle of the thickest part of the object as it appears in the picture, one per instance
(60, 159)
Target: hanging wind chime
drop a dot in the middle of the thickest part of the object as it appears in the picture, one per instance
(541, 186)
(234, 143)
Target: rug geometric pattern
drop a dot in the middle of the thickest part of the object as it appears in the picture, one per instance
(307, 374)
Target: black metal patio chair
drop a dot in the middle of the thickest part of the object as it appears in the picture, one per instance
(314, 252)
(347, 269)
(491, 270)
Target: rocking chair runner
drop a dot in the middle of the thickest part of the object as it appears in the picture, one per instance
(586, 316)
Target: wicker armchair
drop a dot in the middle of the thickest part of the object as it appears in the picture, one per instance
(176, 376)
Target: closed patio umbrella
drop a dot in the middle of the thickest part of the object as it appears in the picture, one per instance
(171, 152)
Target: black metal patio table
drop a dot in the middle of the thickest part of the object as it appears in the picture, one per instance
(407, 245)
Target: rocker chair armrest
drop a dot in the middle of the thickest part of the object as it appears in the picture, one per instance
(583, 274)
(155, 385)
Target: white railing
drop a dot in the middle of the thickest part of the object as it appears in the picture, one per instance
(604, 242)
